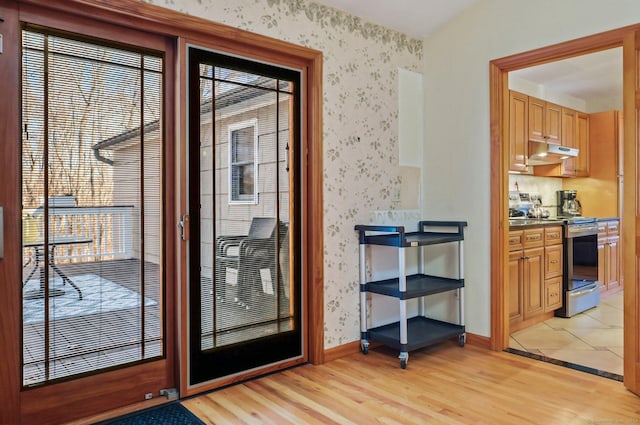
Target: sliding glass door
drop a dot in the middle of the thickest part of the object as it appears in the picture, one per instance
(91, 197)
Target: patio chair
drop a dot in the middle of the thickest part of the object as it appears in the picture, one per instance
(247, 255)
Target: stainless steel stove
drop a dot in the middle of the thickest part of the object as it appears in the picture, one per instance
(581, 289)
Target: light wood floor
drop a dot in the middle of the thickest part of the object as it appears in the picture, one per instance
(444, 384)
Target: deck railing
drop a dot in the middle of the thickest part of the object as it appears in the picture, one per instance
(111, 229)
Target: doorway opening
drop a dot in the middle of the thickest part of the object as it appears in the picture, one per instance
(499, 94)
(586, 331)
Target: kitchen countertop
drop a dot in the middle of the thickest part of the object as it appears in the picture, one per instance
(521, 223)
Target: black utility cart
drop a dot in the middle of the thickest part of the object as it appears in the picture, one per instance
(408, 334)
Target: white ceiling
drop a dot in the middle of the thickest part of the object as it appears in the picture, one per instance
(417, 18)
(597, 75)
(588, 77)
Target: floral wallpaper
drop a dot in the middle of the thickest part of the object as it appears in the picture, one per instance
(361, 172)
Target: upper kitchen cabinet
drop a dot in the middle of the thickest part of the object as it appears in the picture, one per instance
(600, 192)
(574, 130)
(545, 120)
(582, 142)
(518, 127)
(568, 127)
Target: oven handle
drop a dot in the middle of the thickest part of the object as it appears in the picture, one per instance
(596, 286)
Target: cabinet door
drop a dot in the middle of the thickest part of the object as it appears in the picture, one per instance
(518, 140)
(553, 123)
(568, 139)
(613, 268)
(533, 282)
(515, 286)
(552, 294)
(552, 261)
(602, 263)
(536, 120)
(582, 143)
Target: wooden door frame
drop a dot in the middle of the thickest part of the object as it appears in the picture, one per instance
(499, 117)
(178, 26)
(309, 295)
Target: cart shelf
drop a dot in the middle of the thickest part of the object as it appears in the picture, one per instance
(422, 332)
(396, 235)
(418, 285)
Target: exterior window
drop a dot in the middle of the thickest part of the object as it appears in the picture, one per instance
(243, 170)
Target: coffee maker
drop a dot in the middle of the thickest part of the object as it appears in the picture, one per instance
(568, 203)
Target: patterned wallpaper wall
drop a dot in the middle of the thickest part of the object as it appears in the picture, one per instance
(361, 172)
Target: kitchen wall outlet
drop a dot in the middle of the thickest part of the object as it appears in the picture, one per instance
(1, 43)
(148, 396)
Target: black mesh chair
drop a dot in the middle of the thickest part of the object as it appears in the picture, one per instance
(248, 254)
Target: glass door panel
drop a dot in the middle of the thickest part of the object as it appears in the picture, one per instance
(245, 299)
(91, 199)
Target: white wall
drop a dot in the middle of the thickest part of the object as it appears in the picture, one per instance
(456, 78)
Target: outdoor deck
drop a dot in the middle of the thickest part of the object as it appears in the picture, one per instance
(85, 335)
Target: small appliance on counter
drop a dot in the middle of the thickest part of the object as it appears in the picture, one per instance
(568, 203)
(526, 205)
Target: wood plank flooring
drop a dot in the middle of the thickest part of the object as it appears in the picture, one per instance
(444, 384)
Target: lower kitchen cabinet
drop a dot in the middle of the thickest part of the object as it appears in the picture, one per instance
(515, 287)
(535, 273)
(609, 255)
(533, 282)
(552, 294)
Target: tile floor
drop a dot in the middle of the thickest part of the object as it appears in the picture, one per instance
(592, 338)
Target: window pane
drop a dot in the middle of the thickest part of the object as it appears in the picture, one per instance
(91, 195)
(245, 291)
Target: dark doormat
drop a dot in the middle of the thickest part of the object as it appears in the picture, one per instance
(166, 414)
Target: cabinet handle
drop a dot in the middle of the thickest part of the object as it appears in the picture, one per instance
(554, 261)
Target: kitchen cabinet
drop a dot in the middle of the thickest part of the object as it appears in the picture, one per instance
(601, 192)
(409, 333)
(582, 143)
(553, 270)
(535, 274)
(518, 127)
(545, 121)
(569, 122)
(574, 130)
(533, 282)
(609, 256)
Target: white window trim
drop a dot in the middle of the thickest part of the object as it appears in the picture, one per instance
(234, 127)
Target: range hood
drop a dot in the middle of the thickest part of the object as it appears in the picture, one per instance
(541, 153)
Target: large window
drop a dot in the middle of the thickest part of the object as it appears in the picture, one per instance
(243, 145)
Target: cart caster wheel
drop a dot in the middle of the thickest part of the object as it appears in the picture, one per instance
(365, 349)
(461, 340)
(403, 363)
